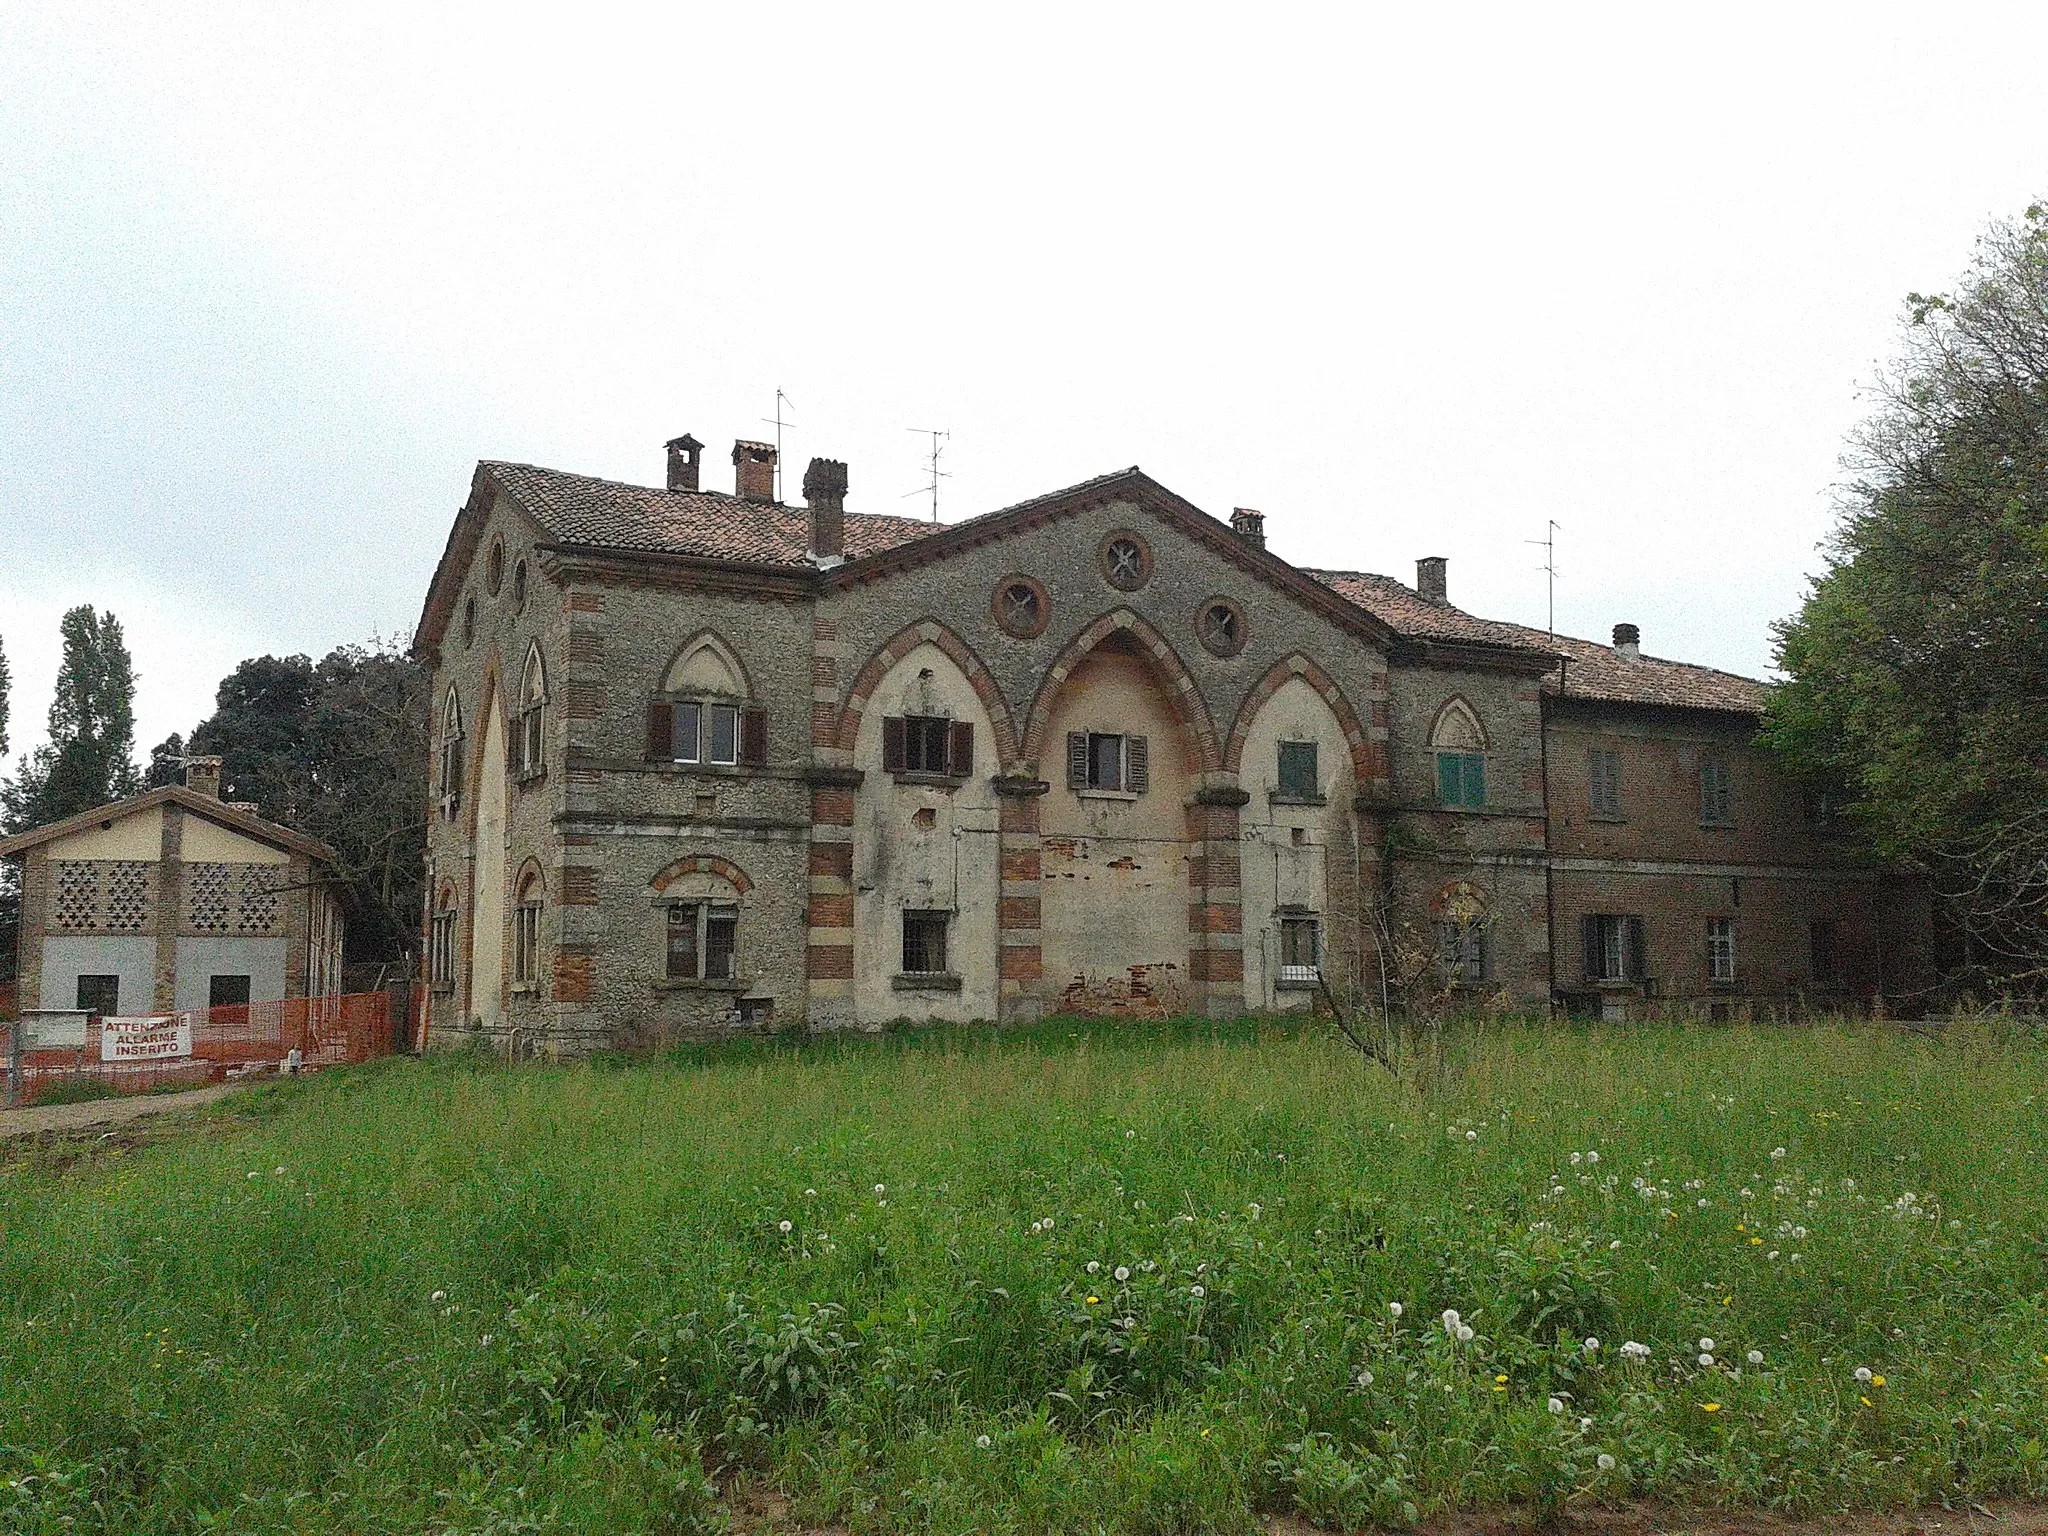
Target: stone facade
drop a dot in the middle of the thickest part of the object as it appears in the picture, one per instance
(707, 762)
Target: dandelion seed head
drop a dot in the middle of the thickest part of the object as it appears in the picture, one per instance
(1197, 1292)
(1094, 1266)
(1395, 1307)
(1755, 1357)
(983, 1442)
(1592, 1346)
(1706, 1360)
(1706, 1344)
(1365, 1378)
(1122, 1273)
(1863, 1373)
(1464, 1333)
(1556, 1405)
(1604, 1462)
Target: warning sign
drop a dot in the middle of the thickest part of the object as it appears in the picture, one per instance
(152, 1039)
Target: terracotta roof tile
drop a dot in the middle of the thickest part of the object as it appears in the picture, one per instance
(1591, 671)
(605, 514)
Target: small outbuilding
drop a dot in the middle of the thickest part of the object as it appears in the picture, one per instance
(172, 901)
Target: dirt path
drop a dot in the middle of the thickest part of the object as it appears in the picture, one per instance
(96, 1112)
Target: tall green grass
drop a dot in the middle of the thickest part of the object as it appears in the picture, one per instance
(1068, 1279)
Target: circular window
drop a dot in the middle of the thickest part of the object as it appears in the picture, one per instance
(497, 567)
(469, 623)
(519, 585)
(1022, 607)
(1126, 562)
(1221, 627)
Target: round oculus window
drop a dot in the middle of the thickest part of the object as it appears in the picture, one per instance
(1022, 607)
(1221, 627)
(1126, 562)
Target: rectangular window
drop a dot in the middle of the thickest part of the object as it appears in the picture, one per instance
(688, 738)
(1461, 779)
(1298, 776)
(1105, 761)
(227, 992)
(530, 741)
(441, 950)
(925, 739)
(723, 731)
(1826, 954)
(100, 994)
(1720, 949)
(1717, 792)
(721, 943)
(682, 942)
(1301, 950)
(1613, 945)
(1603, 778)
(924, 943)
(526, 943)
(1461, 947)
(927, 744)
(1108, 760)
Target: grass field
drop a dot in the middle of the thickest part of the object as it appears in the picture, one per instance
(1072, 1279)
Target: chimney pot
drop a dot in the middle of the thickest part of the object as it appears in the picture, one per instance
(685, 453)
(1249, 525)
(753, 470)
(825, 495)
(1628, 641)
(202, 776)
(1431, 581)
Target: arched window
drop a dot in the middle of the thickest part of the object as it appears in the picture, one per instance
(533, 699)
(1461, 924)
(451, 756)
(1459, 742)
(441, 940)
(700, 714)
(526, 931)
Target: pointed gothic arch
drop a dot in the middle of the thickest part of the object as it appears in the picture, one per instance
(960, 653)
(1366, 756)
(1457, 727)
(1182, 695)
(694, 667)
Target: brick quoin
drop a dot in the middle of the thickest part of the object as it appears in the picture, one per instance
(1019, 813)
(833, 860)
(1214, 918)
(1022, 962)
(832, 807)
(1216, 965)
(1015, 912)
(831, 911)
(1021, 864)
(579, 886)
(831, 962)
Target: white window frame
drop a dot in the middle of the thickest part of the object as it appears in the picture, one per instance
(1721, 949)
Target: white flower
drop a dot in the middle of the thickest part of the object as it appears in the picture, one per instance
(1706, 1343)
(1795, 1258)
(1048, 1223)
(1451, 1319)
(1604, 1462)
(1365, 1378)
(1123, 1272)
(1471, 1135)
(487, 1341)
(1592, 1157)
(1130, 1323)
(785, 1225)
(810, 1194)
(1636, 1351)
(1197, 1292)
(255, 1173)
(1038, 1226)
(1584, 1425)
(1703, 1205)
(983, 1442)
(1094, 1266)
(1557, 1405)
(1396, 1308)
(1614, 1245)
(1129, 1134)
(1777, 1154)
(438, 1296)
(1755, 1357)
(1255, 1208)
(1706, 1360)
(1575, 1157)
(881, 1189)
(1464, 1333)
(1863, 1374)
(278, 1169)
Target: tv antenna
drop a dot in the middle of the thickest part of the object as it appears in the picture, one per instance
(776, 421)
(938, 435)
(1548, 544)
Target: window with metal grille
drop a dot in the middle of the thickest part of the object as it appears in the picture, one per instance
(1603, 780)
(924, 943)
(1613, 946)
(1299, 770)
(1301, 950)
(100, 994)
(1720, 949)
(1461, 779)
(927, 744)
(1717, 792)
(703, 942)
(1461, 950)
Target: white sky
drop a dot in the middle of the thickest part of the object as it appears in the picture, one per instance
(272, 278)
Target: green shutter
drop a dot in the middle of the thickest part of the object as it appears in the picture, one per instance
(1447, 779)
(1475, 779)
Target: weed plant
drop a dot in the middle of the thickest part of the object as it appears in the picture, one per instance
(1074, 1278)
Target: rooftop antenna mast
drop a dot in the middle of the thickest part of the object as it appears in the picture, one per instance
(939, 436)
(776, 421)
(1548, 544)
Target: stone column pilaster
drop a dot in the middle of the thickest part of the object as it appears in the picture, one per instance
(1021, 960)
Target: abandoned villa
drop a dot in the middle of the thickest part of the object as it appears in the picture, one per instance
(705, 760)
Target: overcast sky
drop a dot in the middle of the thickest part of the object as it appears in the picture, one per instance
(1412, 280)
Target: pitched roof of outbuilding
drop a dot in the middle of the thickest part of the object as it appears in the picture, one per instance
(707, 525)
(1591, 671)
(248, 823)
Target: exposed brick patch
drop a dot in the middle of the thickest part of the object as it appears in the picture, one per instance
(573, 971)
(585, 600)
(579, 885)
(1214, 917)
(586, 646)
(831, 962)
(834, 860)
(583, 701)
(1217, 965)
(824, 671)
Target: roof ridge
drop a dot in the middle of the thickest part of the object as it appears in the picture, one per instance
(662, 490)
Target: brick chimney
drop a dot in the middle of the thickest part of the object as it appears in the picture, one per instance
(1431, 582)
(753, 470)
(685, 455)
(1249, 525)
(825, 495)
(1628, 641)
(202, 776)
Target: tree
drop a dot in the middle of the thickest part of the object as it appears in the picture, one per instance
(1915, 667)
(166, 763)
(89, 758)
(6, 683)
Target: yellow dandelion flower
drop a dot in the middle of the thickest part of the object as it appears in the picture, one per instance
(1500, 1389)
(1877, 1381)
(1500, 1378)
(1864, 1401)
(1756, 1242)
(1094, 1300)
(1205, 1434)
(1711, 1407)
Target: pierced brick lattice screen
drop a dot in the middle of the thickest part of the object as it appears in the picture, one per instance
(127, 895)
(259, 905)
(211, 896)
(78, 893)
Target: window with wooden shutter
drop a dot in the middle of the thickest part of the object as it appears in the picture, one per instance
(960, 749)
(1603, 775)
(1137, 764)
(1590, 948)
(1077, 759)
(754, 737)
(1634, 956)
(661, 731)
(892, 744)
